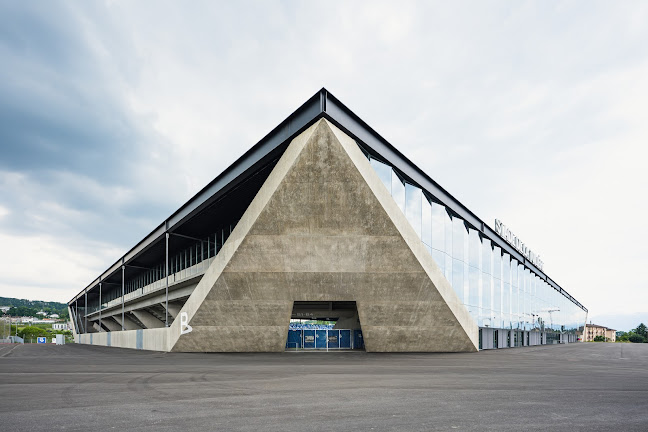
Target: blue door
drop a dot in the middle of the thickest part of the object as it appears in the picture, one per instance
(294, 340)
(358, 341)
(334, 339)
(345, 339)
(309, 338)
(320, 339)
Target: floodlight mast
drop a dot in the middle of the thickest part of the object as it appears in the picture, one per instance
(551, 316)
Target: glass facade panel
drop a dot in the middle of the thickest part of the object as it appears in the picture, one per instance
(384, 171)
(413, 204)
(426, 221)
(487, 283)
(474, 278)
(515, 296)
(438, 227)
(448, 246)
(438, 235)
(524, 302)
(398, 191)
(460, 274)
(457, 280)
(497, 287)
(506, 291)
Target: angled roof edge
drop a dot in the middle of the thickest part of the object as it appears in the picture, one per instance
(353, 125)
(309, 112)
(322, 104)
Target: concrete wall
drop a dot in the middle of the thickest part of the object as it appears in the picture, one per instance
(324, 228)
(149, 339)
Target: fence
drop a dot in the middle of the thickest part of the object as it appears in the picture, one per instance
(12, 340)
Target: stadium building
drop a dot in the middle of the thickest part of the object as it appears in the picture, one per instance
(323, 219)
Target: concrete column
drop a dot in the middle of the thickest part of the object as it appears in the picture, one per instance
(100, 329)
(172, 309)
(347, 322)
(150, 321)
(85, 313)
(122, 317)
(129, 324)
(166, 273)
(111, 324)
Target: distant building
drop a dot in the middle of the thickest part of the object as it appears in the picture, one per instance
(54, 316)
(593, 330)
(41, 313)
(60, 326)
(32, 320)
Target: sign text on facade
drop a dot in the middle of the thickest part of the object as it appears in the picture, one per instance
(514, 241)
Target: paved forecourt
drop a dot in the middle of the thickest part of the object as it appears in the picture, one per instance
(574, 387)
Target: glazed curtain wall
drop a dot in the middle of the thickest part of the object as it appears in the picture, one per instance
(497, 290)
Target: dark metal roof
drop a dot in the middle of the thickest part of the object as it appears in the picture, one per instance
(321, 105)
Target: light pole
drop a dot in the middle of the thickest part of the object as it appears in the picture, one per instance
(551, 316)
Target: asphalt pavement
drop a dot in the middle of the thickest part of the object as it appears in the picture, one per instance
(575, 387)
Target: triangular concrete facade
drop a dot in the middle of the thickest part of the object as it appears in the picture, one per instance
(324, 228)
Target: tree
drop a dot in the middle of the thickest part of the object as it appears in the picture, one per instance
(21, 311)
(599, 338)
(642, 331)
(635, 338)
(31, 332)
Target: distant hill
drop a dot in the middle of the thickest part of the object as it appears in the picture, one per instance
(23, 307)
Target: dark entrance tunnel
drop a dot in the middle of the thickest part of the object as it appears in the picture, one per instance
(324, 325)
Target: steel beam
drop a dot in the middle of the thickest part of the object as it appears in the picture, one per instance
(166, 289)
(85, 314)
(100, 305)
(123, 271)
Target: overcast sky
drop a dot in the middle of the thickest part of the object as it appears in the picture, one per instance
(113, 114)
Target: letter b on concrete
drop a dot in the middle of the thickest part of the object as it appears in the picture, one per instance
(184, 323)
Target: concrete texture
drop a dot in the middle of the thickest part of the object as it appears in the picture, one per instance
(148, 319)
(576, 387)
(324, 228)
(129, 324)
(173, 309)
(111, 324)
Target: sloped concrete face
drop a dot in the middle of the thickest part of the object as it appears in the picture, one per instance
(324, 228)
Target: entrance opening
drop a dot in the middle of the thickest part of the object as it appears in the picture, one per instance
(324, 325)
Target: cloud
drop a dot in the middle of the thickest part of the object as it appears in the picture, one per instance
(45, 268)
(58, 108)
